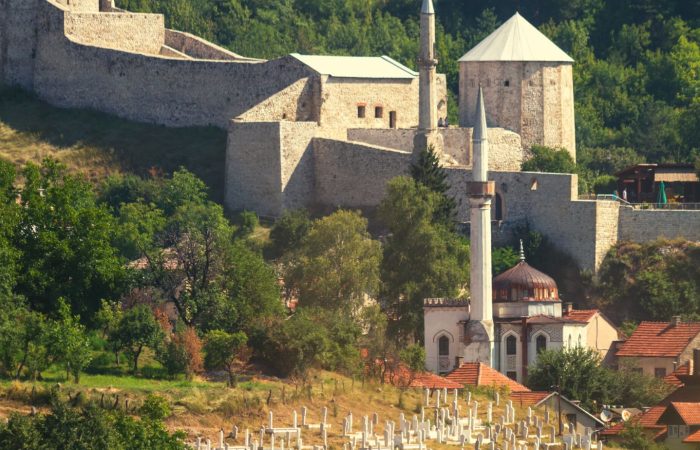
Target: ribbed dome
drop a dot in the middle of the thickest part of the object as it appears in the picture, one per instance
(523, 283)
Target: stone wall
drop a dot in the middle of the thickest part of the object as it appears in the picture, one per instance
(294, 103)
(140, 33)
(607, 230)
(80, 5)
(298, 168)
(18, 28)
(197, 48)
(533, 99)
(148, 88)
(647, 225)
(354, 175)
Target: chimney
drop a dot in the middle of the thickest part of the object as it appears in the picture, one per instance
(675, 321)
(568, 307)
(458, 361)
(696, 362)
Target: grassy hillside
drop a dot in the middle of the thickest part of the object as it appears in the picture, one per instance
(97, 144)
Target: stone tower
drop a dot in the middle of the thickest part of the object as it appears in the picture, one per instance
(427, 67)
(527, 85)
(479, 331)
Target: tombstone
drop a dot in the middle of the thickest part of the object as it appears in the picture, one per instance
(497, 398)
(469, 397)
(426, 397)
(456, 395)
(324, 415)
(489, 413)
(208, 444)
(600, 445)
(303, 416)
(221, 438)
(247, 437)
(546, 414)
(272, 442)
(350, 422)
(437, 398)
(476, 409)
(325, 438)
(198, 444)
(524, 432)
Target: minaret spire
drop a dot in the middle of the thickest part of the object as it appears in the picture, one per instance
(427, 69)
(480, 329)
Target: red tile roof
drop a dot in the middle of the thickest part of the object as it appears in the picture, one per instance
(528, 398)
(672, 378)
(580, 315)
(693, 437)
(646, 420)
(659, 339)
(479, 374)
(403, 376)
(689, 412)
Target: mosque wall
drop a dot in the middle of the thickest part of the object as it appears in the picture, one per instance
(442, 321)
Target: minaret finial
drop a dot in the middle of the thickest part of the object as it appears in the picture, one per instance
(427, 7)
(522, 251)
(480, 127)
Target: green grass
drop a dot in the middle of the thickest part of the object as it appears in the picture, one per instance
(97, 144)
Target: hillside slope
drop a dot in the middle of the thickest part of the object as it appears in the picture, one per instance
(97, 144)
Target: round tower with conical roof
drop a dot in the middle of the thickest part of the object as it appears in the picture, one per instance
(527, 83)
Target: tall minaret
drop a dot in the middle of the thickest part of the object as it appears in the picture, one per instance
(427, 63)
(480, 330)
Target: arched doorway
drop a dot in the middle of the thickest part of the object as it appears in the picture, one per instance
(443, 354)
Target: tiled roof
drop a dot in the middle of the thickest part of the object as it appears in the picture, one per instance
(403, 376)
(672, 378)
(693, 438)
(528, 398)
(580, 315)
(689, 412)
(646, 420)
(659, 339)
(479, 374)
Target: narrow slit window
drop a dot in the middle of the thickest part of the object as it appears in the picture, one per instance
(361, 111)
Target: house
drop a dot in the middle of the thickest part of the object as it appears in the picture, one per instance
(642, 183)
(659, 348)
(682, 421)
(570, 411)
(480, 374)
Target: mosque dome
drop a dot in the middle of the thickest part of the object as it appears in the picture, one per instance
(523, 283)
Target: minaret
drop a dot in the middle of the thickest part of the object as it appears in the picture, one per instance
(427, 63)
(480, 329)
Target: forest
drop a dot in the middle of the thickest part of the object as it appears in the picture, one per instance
(636, 72)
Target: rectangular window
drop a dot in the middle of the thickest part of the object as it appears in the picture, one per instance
(672, 430)
(660, 372)
(506, 83)
(682, 431)
(512, 375)
(361, 111)
(378, 112)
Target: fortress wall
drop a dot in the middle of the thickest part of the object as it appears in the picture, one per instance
(398, 139)
(140, 33)
(154, 89)
(298, 176)
(253, 168)
(341, 97)
(196, 47)
(354, 175)
(506, 152)
(296, 102)
(648, 225)
(607, 230)
(80, 5)
(18, 42)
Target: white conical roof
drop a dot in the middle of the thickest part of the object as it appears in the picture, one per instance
(427, 7)
(516, 40)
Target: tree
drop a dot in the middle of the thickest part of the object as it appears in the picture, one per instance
(428, 171)
(137, 329)
(421, 259)
(222, 351)
(182, 353)
(66, 243)
(551, 160)
(289, 230)
(337, 264)
(69, 342)
(634, 437)
(414, 357)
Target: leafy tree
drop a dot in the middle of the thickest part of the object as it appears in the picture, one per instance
(414, 357)
(421, 259)
(182, 353)
(137, 329)
(289, 230)
(183, 188)
(222, 350)
(69, 342)
(634, 437)
(337, 264)
(66, 248)
(428, 171)
(551, 160)
(247, 222)
(502, 259)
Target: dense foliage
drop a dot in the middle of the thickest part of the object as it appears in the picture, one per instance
(650, 281)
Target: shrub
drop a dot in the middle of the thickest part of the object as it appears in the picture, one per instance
(155, 408)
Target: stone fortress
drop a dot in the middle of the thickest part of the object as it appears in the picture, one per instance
(329, 131)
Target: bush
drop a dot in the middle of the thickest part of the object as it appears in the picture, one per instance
(247, 223)
(155, 408)
(289, 231)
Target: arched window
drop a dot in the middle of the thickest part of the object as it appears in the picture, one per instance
(511, 345)
(541, 343)
(444, 346)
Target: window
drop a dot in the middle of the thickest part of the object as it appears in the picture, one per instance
(444, 346)
(512, 375)
(506, 83)
(533, 184)
(541, 343)
(672, 430)
(511, 345)
(660, 372)
(498, 206)
(392, 119)
(361, 111)
(378, 112)
(682, 431)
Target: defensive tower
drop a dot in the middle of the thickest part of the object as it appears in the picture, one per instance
(527, 85)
